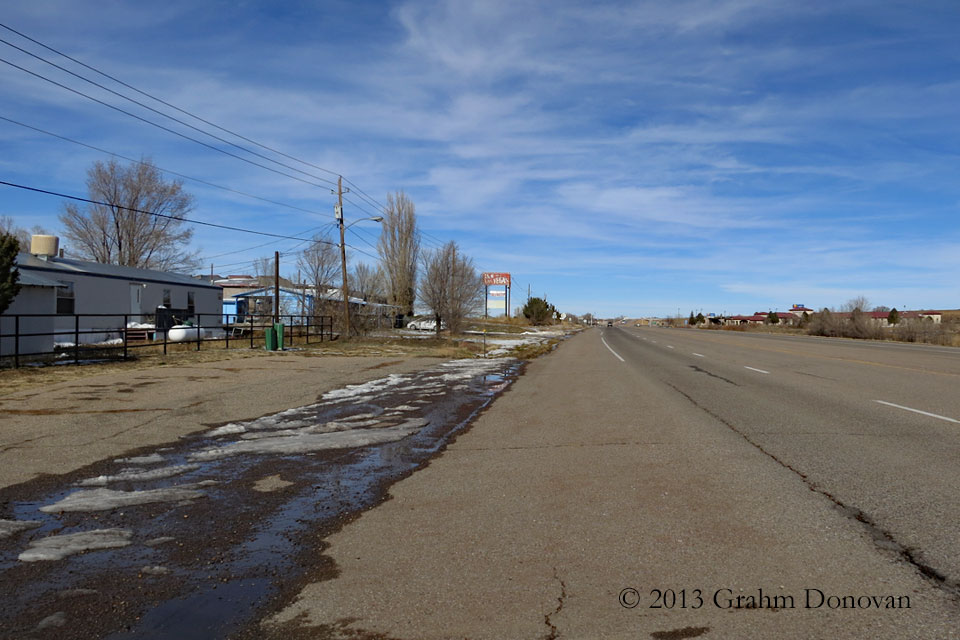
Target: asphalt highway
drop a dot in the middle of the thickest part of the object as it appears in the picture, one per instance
(875, 426)
(665, 483)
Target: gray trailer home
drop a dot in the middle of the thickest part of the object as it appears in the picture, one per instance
(81, 292)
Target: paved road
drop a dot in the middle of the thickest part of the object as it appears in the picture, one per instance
(706, 471)
(874, 426)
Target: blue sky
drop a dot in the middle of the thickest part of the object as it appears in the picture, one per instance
(629, 158)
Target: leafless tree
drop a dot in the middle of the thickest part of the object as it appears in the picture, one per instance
(114, 233)
(367, 282)
(9, 227)
(320, 265)
(399, 250)
(263, 269)
(450, 286)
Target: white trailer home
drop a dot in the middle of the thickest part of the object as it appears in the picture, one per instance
(79, 293)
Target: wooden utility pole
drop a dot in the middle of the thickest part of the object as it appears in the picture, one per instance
(343, 259)
(276, 287)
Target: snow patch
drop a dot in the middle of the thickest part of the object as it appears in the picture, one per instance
(367, 388)
(153, 458)
(154, 570)
(59, 547)
(227, 429)
(306, 442)
(133, 476)
(12, 527)
(104, 499)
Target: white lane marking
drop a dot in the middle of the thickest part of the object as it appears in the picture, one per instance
(611, 350)
(669, 347)
(699, 355)
(757, 370)
(925, 413)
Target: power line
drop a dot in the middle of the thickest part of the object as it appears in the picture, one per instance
(160, 126)
(152, 97)
(168, 171)
(361, 194)
(158, 215)
(265, 244)
(160, 113)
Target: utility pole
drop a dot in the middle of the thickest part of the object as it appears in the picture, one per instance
(276, 287)
(343, 259)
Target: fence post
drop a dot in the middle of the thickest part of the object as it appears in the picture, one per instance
(76, 339)
(251, 332)
(199, 329)
(165, 340)
(16, 341)
(124, 336)
(226, 333)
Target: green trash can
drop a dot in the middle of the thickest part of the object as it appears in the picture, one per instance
(278, 327)
(270, 338)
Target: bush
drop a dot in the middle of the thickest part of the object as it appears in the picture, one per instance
(538, 311)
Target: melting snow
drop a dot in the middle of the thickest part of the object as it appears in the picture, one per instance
(305, 442)
(58, 547)
(131, 476)
(153, 458)
(11, 527)
(104, 499)
(154, 570)
(367, 388)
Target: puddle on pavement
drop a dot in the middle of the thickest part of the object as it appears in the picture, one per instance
(207, 551)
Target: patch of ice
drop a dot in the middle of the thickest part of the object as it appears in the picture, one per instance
(104, 499)
(153, 458)
(11, 527)
(132, 476)
(304, 442)
(57, 619)
(367, 388)
(156, 542)
(154, 570)
(402, 407)
(227, 429)
(58, 547)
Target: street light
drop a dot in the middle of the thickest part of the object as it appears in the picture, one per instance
(338, 209)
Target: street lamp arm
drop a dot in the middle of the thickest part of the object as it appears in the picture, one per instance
(373, 218)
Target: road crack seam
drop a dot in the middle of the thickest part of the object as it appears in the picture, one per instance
(882, 538)
(552, 632)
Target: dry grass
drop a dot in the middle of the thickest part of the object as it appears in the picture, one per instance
(531, 351)
(12, 380)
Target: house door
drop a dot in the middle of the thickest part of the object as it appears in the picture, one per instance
(136, 297)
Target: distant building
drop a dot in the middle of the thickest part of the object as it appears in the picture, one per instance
(76, 299)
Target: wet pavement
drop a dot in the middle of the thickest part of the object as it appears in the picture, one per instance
(202, 538)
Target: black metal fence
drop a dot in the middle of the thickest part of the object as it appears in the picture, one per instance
(77, 338)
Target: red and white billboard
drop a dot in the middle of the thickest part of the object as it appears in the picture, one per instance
(494, 279)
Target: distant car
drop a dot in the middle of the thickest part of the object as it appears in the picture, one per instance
(426, 324)
(609, 323)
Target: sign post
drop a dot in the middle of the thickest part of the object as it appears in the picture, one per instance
(496, 280)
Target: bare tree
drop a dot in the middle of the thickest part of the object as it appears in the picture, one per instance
(450, 286)
(399, 250)
(367, 282)
(9, 227)
(320, 265)
(114, 233)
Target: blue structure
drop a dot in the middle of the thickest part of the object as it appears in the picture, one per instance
(260, 302)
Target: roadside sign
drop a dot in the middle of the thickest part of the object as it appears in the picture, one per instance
(491, 279)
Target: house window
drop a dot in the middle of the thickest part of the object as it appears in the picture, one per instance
(191, 303)
(166, 298)
(65, 299)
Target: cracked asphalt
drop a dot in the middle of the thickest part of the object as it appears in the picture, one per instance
(634, 496)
